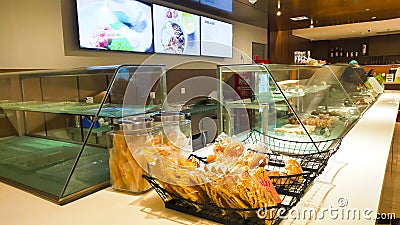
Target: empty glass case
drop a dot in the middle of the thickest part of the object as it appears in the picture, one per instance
(286, 102)
(54, 123)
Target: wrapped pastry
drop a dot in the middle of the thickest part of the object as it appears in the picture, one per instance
(234, 149)
(293, 167)
(252, 160)
(322, 120)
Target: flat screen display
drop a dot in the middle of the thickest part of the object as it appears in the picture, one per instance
(225, 5)
(216, 38)
(116, 25)
(176, 32)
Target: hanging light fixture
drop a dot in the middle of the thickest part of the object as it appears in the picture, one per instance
(278, 13)
(312, 23)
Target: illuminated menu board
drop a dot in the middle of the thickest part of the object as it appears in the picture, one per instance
(216, 38)
(176, 32)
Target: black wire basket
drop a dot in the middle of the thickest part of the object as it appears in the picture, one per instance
(312, 155)
(290, 187)
(238, 216)
(293, 185)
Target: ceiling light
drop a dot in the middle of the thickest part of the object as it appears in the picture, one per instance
(252, 1)
(366, 9)
(374, 17)
(299, 18)
(278, 13)
(312, 23)
(311, 26)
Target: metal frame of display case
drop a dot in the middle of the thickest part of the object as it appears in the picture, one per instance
(69, 170)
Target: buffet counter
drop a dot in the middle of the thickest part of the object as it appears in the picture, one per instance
(352, 181)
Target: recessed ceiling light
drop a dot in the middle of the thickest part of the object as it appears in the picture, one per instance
(278, 13)
(366, 9)
(374, 17)
(298, 18)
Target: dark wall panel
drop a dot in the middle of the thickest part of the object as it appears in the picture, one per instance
(384, 45)
(320, 50)
(282, 45)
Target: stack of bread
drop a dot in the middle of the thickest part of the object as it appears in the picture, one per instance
(125, 170)
(232, 178)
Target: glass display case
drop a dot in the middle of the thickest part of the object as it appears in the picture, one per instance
(353, 79)
(302, 104)
(55, 123)
(281, 123)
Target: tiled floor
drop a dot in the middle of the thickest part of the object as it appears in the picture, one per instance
(390, 196)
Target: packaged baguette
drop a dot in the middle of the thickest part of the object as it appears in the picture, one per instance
(127, 162)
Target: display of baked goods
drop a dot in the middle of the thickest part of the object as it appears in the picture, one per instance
(293, 120)
(233, 189)
(317, 112)
(322, 120)
(295, 129)
(226, 177)
(233, 175)
(287, 83)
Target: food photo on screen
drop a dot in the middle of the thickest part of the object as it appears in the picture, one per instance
(176, 32)
(116, 25)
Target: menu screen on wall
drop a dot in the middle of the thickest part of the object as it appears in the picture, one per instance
(176, 32)
(216, 38)
(118, 25)
(225, 5)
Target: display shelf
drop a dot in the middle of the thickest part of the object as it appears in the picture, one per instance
(197, 109)
(78, 108)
